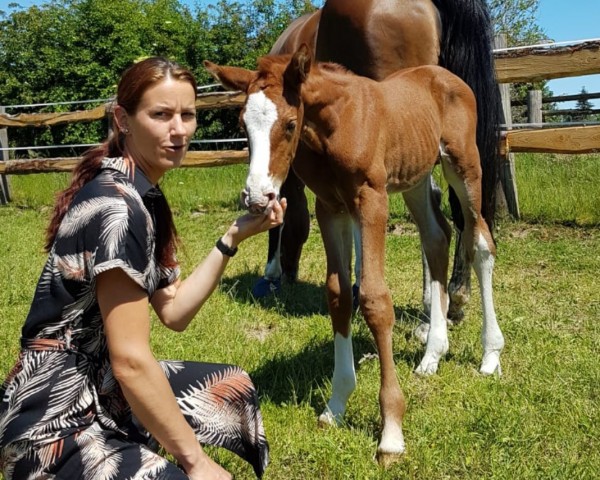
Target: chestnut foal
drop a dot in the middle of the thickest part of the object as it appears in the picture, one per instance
(368, 139)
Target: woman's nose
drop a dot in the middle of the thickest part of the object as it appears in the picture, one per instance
(177, 127)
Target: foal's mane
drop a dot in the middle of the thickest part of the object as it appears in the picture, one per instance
(334, 68)
(271, 63)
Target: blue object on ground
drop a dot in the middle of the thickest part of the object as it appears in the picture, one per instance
(265, 287)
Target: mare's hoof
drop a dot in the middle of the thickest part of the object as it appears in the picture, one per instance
(387, 459)
(455, 314)
(266, 287)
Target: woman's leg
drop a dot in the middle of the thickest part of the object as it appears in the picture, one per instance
(221, 404)
(94, 453)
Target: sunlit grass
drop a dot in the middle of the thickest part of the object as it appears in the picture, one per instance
(539, 421)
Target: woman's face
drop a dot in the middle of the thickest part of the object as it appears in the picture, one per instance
(162, 127)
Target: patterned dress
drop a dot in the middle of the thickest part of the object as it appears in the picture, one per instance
(62, 414)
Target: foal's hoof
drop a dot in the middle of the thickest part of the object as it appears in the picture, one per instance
(427, 367)
(490, 364)
(387, 459)
(421, 332)
(266, 287)
(328, 419)
(458, 299)
(455, 314)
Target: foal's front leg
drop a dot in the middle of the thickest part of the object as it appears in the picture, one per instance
(336, 231)
(377, 308)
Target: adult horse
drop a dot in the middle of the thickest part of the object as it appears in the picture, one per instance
(373, 39)
(366, 139)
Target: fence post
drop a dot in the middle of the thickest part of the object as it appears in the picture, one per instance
(4, 184)
(534, 107)
(507, 197)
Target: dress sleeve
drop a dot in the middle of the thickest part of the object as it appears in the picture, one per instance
(104, 229)
(122, 236)
(168, 276)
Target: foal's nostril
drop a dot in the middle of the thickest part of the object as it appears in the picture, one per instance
(271, 196)
(256, 209)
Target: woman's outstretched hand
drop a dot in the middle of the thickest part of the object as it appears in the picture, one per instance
(248, 225)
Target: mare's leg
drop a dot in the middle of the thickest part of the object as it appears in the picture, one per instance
(459, 287)
(357, 263)
(296, 227)
(435, 240)
(286, 242)
(479, 246)
(377, 308)
(336, 231)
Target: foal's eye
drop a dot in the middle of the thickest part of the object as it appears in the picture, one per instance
(291, 126)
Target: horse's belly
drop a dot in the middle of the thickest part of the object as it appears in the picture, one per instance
(405, 177)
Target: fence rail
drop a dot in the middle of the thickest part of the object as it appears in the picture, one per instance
(527, 64)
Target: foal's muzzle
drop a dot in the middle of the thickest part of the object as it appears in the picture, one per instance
(256, 204)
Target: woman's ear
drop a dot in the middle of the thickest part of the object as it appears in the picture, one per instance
(120, 119)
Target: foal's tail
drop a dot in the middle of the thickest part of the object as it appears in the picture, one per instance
(466, 50)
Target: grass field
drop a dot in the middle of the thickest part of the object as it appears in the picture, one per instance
(540, 420)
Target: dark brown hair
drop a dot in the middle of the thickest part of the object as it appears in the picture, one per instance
(132, 86)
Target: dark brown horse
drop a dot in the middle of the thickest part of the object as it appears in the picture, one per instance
(366, 139)
(374, 39)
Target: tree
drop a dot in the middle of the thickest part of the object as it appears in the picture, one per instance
(70, 50)
(517, 20)
(584, 107)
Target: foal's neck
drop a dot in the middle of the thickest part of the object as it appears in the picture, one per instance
(324, 95)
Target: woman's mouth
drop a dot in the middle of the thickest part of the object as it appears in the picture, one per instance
(175, 148)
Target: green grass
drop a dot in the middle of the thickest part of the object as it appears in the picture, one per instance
(539, 421)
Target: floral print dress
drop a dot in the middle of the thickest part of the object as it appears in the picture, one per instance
(62, 413)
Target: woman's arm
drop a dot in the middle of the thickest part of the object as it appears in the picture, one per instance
(177, 304)
(124, 308)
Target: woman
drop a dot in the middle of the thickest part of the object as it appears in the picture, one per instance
(87, 399)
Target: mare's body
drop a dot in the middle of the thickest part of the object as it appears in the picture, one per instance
(374, 39)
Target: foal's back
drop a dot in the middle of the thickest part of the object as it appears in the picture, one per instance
(414, 113)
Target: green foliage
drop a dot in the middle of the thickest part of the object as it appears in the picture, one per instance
(584, 108)
(517, 20)
(72, 50)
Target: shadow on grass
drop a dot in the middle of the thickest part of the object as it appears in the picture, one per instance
(303, 376)
(297, 300)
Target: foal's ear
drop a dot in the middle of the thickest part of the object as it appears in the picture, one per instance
(232, 78)
(299, 67)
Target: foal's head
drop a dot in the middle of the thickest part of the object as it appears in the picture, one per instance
(272, 117)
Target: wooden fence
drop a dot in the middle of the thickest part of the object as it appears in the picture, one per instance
(521, 65)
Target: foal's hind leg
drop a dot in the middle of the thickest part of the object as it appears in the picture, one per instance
(434, 232)
(479, 247)
(422, 330)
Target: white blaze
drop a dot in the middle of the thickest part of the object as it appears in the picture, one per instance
(259, 117)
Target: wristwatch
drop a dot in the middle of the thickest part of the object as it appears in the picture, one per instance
(224, 249)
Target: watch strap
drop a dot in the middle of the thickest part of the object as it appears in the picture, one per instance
(225, 249)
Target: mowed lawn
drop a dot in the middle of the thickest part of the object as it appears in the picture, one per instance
(540, 420)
